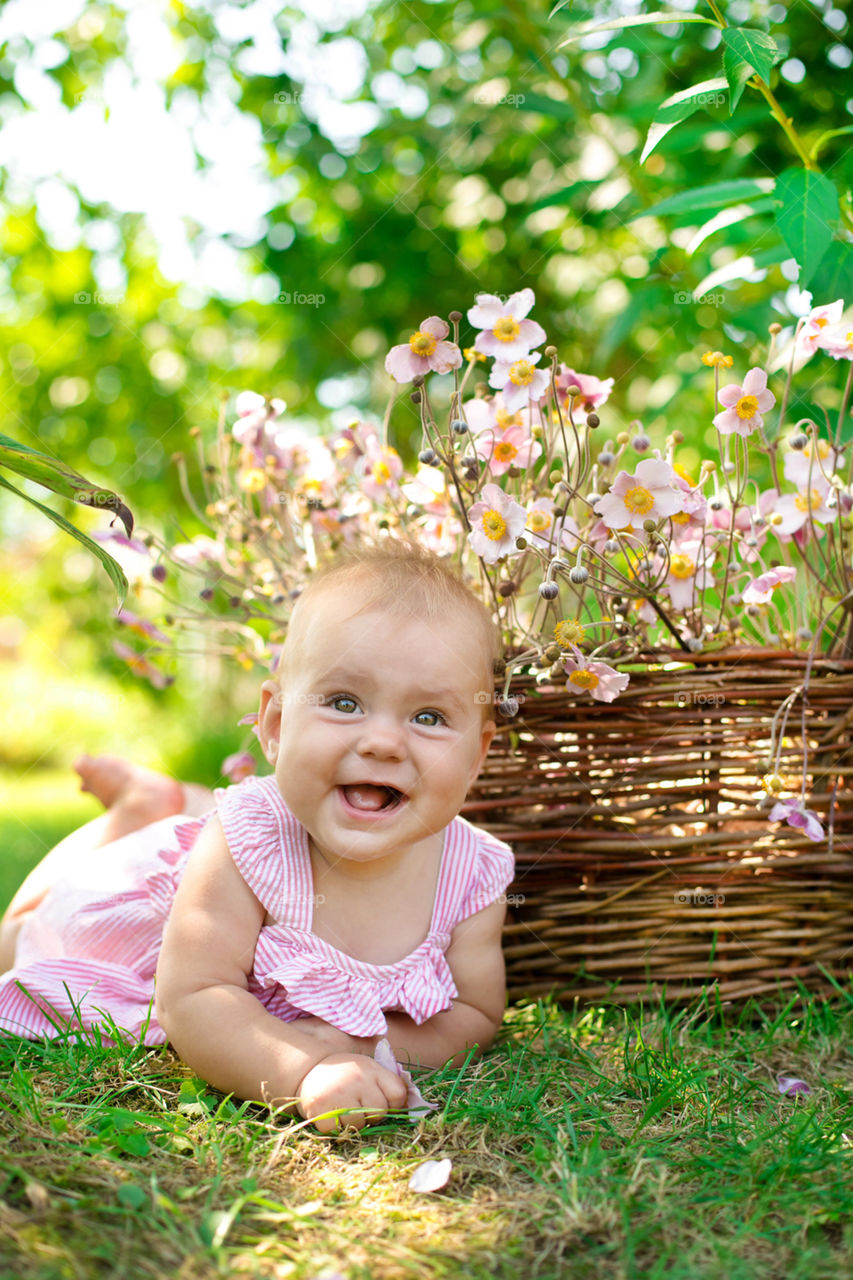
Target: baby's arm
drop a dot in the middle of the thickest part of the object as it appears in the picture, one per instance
(219, 1028)
(477, 964)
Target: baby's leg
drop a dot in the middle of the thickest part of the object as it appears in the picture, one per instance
(134, 797)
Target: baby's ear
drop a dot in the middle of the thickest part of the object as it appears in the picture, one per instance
(269, 718)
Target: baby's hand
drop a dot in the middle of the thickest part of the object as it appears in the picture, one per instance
(336, 1041)
(352, 1081)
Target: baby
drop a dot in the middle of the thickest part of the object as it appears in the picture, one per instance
(339, 901)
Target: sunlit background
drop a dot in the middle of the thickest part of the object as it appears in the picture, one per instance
(205, 198)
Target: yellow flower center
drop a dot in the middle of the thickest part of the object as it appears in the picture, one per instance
(423, 344)
(252, 480)
(808, 501)
(504, 419)
(820, 321)
(476, 356)
(569, 631)
(680, 517)
(381, 472)
(681, 566)
(584, 679)
(494, 525)
(639, 500)
(521, 373)
(746, 407)
(773, 783)
(505, 451)
(506, 328)
(538, 520)
(716, 360)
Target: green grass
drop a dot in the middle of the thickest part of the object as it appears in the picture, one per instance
(36, 811)
(588, 1142)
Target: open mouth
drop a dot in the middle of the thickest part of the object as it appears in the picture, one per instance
(369, 797)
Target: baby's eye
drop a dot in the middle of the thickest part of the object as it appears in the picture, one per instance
(343, 702)
(429, 718)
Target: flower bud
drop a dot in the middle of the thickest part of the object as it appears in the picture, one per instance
(415, 397)
(428, 457)
(573, 389)
(650, 525)
(455, 317)
(158, 573)
(804, 634)
(553, 653)
(549, 590)
(459, 426)
(521, 543)
(774, 328)
(592, 420)
(418, 380)
(640, 443)
(694, 644)
(550, 352)
(554, 477)
(605, 458)
(799, 441)
(506, 589)
(206, 593)
(611, 546)
(578, 575)
(508, 706)
(678, 437)
(470, 460)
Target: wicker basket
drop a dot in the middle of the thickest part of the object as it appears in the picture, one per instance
(644, 865)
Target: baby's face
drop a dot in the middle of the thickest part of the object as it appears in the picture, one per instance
(379, 731)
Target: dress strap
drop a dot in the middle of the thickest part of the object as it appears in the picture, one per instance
(269, 847)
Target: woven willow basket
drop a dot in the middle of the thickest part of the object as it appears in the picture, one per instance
(644, 866)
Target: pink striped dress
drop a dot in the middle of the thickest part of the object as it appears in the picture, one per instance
(86, 957)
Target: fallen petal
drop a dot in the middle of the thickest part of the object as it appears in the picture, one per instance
(432, 1175)
(415, 1101)
(790, 1086)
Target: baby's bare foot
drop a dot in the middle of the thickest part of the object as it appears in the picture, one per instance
(132, 795)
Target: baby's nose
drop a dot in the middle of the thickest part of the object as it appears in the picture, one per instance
(382, 735)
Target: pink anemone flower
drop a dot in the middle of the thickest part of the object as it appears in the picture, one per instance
(496, 521)
(541, 527)
(797, 815)
(799, 467)
(649, 494)
(818, 320)
(743, 406)
(837, 341)
(425, 352)
(513, 447)
(520, 382)
(760, 590)
(805, 507)
(689, 572)
(594, 391)
(238, 766)
(600, 681)
(504, 331)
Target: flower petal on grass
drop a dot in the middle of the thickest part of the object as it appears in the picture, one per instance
(432, 1175)
(790, 1086)
(415, 1102)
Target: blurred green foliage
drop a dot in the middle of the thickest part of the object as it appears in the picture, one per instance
(495, 157)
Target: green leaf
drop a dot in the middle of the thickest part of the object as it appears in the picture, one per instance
(545, 106)
(112, 566)
(658, 19)
(54, 474)
(132, 1197)
(747, 52)
(833, 277)
(806, 215)
(679, 107)
(710, 197)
